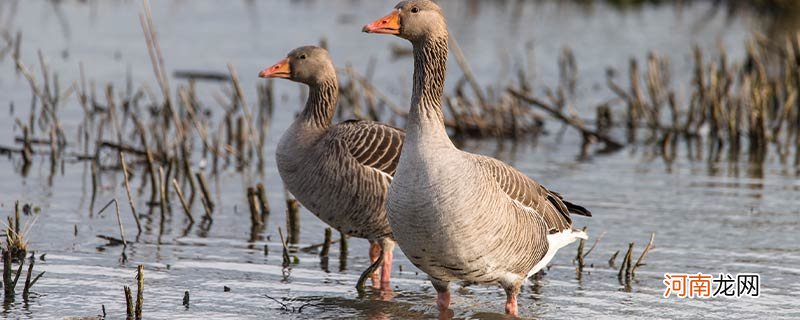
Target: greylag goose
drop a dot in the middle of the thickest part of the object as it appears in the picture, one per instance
(458, 215)
(341, 172)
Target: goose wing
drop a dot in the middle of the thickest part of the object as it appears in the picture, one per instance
(372, 144)
(550, 205)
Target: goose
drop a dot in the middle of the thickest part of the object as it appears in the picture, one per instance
(454, 214)
(341, 173)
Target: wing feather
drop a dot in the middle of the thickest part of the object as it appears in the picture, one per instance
(550, 205)
(372, 144)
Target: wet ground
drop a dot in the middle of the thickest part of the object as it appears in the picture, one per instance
(710, 217)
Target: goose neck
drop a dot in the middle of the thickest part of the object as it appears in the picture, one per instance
(430, 66)
(321, 104)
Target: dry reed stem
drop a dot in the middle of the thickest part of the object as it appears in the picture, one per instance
(255, 208)
(26, 291)
(128, 191)
(154, 50)
(579, 256)
(611, 261)
(262, 199)
(8, 287)
(206, 195)
(139, 291)
(327, 243)
(465, 68)
(162, 191)
(596, 241)
(285, 255)
(183, 201)
(610, 143)
(293, 220)
(119, 219)
(240, 95)
(640, 261)
(624, 269)
(16, 276)
(129, 308)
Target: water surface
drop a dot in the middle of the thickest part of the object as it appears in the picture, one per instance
(730, 217)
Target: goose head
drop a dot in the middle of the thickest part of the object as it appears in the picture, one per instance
(309, 65)
(413, 20)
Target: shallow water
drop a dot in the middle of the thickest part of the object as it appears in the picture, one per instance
(723, 217)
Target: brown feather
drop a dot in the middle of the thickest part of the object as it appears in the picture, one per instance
(372, 144)
(550, 205)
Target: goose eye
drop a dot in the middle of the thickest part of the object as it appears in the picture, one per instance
(302, 57)
(414, 10)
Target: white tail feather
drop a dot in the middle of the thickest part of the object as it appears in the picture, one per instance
(557, 241)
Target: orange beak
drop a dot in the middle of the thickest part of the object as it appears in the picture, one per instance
(278, 70)
(390, 24)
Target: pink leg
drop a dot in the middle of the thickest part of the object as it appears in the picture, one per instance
(511, 301)
(443, 301)
(374, 253)
(511, 306)
(442, 297)
(386, 268)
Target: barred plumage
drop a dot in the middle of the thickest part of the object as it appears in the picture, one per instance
(457, 215)
(341, 172)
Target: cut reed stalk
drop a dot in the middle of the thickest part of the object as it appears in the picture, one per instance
(293, 220)
(263, 200)
(129, 307)
(8, 288)
(139, 291)
(580, 255)
(255, 208)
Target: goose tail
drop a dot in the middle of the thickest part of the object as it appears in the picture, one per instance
(580, 234)
(576, 209)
